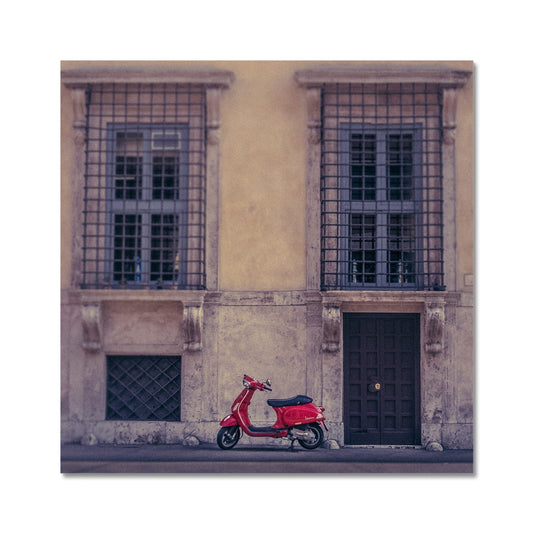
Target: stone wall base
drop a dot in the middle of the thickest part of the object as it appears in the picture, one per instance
(450, 436)
(113, 432)
(458, 436)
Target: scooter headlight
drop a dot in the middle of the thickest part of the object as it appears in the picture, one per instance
(246, 383)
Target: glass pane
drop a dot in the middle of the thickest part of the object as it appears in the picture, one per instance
(127, 248)
(128, 166)
(400, 166)
(401, 249)
(165, 170)
(363, 166)
(362, 267)
(164, 258)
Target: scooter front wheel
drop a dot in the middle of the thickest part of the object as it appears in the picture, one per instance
(315, 438)
(228, 436)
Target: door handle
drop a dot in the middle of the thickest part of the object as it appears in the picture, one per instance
(374, 387)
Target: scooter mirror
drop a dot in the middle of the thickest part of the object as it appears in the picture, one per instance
(268, 382)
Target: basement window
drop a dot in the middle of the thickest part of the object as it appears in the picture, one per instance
(143, 387)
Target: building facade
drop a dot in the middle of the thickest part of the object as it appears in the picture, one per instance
(308, 222)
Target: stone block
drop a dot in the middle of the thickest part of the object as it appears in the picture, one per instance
(191, 440)
(434, 447)
(89, 440)
(331, 445)
(431, 433)
(458, 436)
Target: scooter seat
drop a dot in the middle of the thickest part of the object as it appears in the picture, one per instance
(296, 400)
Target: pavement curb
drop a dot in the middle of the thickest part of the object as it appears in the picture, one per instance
(211, 453)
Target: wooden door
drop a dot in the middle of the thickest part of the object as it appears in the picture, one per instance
(381, 379)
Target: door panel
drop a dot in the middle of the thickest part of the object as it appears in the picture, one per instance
(381, 379)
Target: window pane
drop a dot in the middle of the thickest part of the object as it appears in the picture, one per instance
(128, 166)
(363, 166)
(168, 139)
(401, 249)
(164, 264)
(362, 268)
(400, 166)
(127, 248)
(165, 170)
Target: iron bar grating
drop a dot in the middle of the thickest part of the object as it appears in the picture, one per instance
(381, 187)
(143, 387)
(144, 194)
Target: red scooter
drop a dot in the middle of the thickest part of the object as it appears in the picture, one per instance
(298, 418)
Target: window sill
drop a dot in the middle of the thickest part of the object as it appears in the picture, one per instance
(384, 297)
(94, 296)
(91, 302)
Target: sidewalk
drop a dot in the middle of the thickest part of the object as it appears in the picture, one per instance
(208, 458)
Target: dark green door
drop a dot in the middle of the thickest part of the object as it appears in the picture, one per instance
(381, 379)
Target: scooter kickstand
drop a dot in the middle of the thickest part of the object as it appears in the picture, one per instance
(291, 449)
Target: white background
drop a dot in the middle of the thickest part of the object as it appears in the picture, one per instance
(36, 36)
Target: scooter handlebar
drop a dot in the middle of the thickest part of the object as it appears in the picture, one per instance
(247, 381)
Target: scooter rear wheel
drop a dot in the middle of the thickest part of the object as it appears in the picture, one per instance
(315, 440)
(228, 436)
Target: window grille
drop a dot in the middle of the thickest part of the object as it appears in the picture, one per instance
(144, 210)
(381, 187)
(143, 387)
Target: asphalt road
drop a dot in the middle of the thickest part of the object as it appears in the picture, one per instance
(208, 458)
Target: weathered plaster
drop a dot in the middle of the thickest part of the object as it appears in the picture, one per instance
(263, 312)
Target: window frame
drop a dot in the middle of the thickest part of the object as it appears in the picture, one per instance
(146, 207)
(382, 207)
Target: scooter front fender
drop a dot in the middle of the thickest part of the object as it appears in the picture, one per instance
(228, 421)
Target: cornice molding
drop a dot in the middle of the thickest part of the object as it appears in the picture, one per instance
(211, 77)
(443, 76)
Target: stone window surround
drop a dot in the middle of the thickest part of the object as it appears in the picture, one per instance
(312, 80)
(214, 81)
(334, 303)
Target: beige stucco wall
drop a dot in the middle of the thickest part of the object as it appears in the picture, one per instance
(262, 174)
(263, 180)
(261, 321)
(465, 187)
(67, 162)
